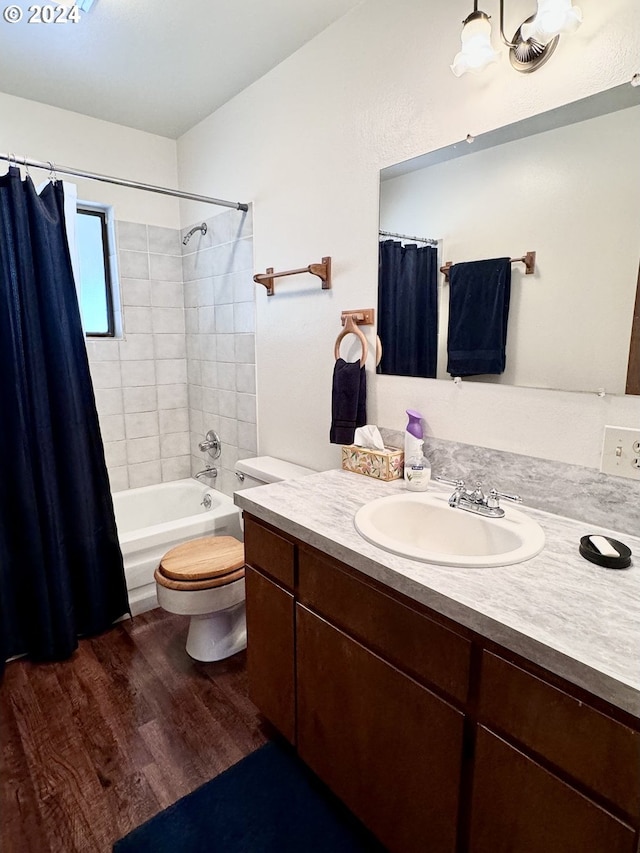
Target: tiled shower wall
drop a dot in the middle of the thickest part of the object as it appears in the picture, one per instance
(140, 381)
(219, 303)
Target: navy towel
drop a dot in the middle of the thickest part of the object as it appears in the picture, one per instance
(479, 293)
(348, 401)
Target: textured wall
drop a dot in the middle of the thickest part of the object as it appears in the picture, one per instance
(306, 144)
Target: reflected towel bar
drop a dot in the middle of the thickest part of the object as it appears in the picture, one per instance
(322, 270)
(529, 260)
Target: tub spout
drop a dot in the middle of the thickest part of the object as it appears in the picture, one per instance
(210, 471)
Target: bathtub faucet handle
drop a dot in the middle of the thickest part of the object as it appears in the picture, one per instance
(211, 444)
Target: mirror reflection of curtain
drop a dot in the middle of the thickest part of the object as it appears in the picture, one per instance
(408, 309)
(61, 572)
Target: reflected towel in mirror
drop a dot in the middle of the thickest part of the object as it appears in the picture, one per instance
(479, 294)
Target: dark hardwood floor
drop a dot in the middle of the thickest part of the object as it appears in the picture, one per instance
(94, 746)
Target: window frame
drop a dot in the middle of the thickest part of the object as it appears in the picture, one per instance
(105, 214)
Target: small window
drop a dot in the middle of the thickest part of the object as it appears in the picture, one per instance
(96, 282)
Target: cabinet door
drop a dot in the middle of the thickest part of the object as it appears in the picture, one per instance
(270, 651)
(389, 748)
(519, 807)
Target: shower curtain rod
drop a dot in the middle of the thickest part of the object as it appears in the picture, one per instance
(135, 185)
(430, 240)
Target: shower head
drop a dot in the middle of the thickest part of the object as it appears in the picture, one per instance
(202, 228)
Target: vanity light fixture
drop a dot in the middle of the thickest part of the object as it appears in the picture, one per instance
(531, 46)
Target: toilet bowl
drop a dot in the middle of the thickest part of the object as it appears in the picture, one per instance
(204, 578)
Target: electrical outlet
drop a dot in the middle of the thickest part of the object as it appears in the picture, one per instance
(621, 452)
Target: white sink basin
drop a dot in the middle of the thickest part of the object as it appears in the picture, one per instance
(424, 527)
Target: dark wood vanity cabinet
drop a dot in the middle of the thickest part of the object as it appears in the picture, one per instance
(438, 740)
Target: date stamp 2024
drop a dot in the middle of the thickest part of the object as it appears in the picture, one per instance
(36, 14)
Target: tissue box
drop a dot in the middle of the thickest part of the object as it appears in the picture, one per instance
(387, 464)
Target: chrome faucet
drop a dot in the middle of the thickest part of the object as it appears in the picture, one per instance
(475, 500)
(209, 471)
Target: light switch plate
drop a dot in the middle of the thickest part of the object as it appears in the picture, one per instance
(621, 452)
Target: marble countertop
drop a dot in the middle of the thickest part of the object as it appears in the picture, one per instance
(557, 609)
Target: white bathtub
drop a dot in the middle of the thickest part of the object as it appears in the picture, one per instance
(153, 519)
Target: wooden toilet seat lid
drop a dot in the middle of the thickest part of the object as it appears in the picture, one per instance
(194, 586)
(203, 559)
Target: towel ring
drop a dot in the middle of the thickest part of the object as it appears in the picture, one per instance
(351, 328)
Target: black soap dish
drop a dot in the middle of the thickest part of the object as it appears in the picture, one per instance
(589, 551)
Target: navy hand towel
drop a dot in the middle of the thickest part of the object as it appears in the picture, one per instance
(479, 293)
(348, 401)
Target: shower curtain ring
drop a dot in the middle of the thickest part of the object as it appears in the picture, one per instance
(26, 166)
(52, 172)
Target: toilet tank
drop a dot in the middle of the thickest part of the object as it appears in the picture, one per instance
(267, 469)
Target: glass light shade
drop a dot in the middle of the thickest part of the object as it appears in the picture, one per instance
(553, 18)
(477, 51)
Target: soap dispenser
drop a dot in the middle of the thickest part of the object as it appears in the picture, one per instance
(417, 469)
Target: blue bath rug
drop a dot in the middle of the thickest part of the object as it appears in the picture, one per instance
(267, 803)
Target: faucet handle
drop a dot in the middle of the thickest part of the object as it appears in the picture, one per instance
(493, 499)
(459, 484)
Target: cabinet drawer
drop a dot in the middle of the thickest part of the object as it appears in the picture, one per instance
(270, 553)
(422, 648)
(519, 807)
(592, 748)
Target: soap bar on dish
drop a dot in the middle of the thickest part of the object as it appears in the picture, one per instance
(605, 551)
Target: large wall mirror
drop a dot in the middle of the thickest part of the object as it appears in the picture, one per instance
(564, 184)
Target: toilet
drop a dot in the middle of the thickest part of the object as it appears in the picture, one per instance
(204, 578)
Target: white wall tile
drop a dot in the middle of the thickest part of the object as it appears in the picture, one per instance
(170, 345)
(178, 468)
(224, 319)
(246, 378)
(135, 291)
(105, 374)
(167, 294)
(136, 373)
(174, 444)
(210, 400)
(143, 449)
(115, 453)
(112, 427)
(247, 437)
(227, 404)
(141, 425)
(109, 401)
(246, 408)
(244, 317)
(165, 268)
(172, 397)
(119, 479)
(145, 474)
(245, 349)
(174, 420)
(210, 371)
(164, 241)
(102, 350)
(171, 371)
(168, 320)
(137, 320)
(133, 264)
(140, 399)
(225, 348)
(131, 235)
(136, 348)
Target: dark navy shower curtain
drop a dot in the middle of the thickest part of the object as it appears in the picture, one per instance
(408, 309)
(61, 572)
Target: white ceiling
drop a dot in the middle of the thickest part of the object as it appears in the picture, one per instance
(156, 65)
